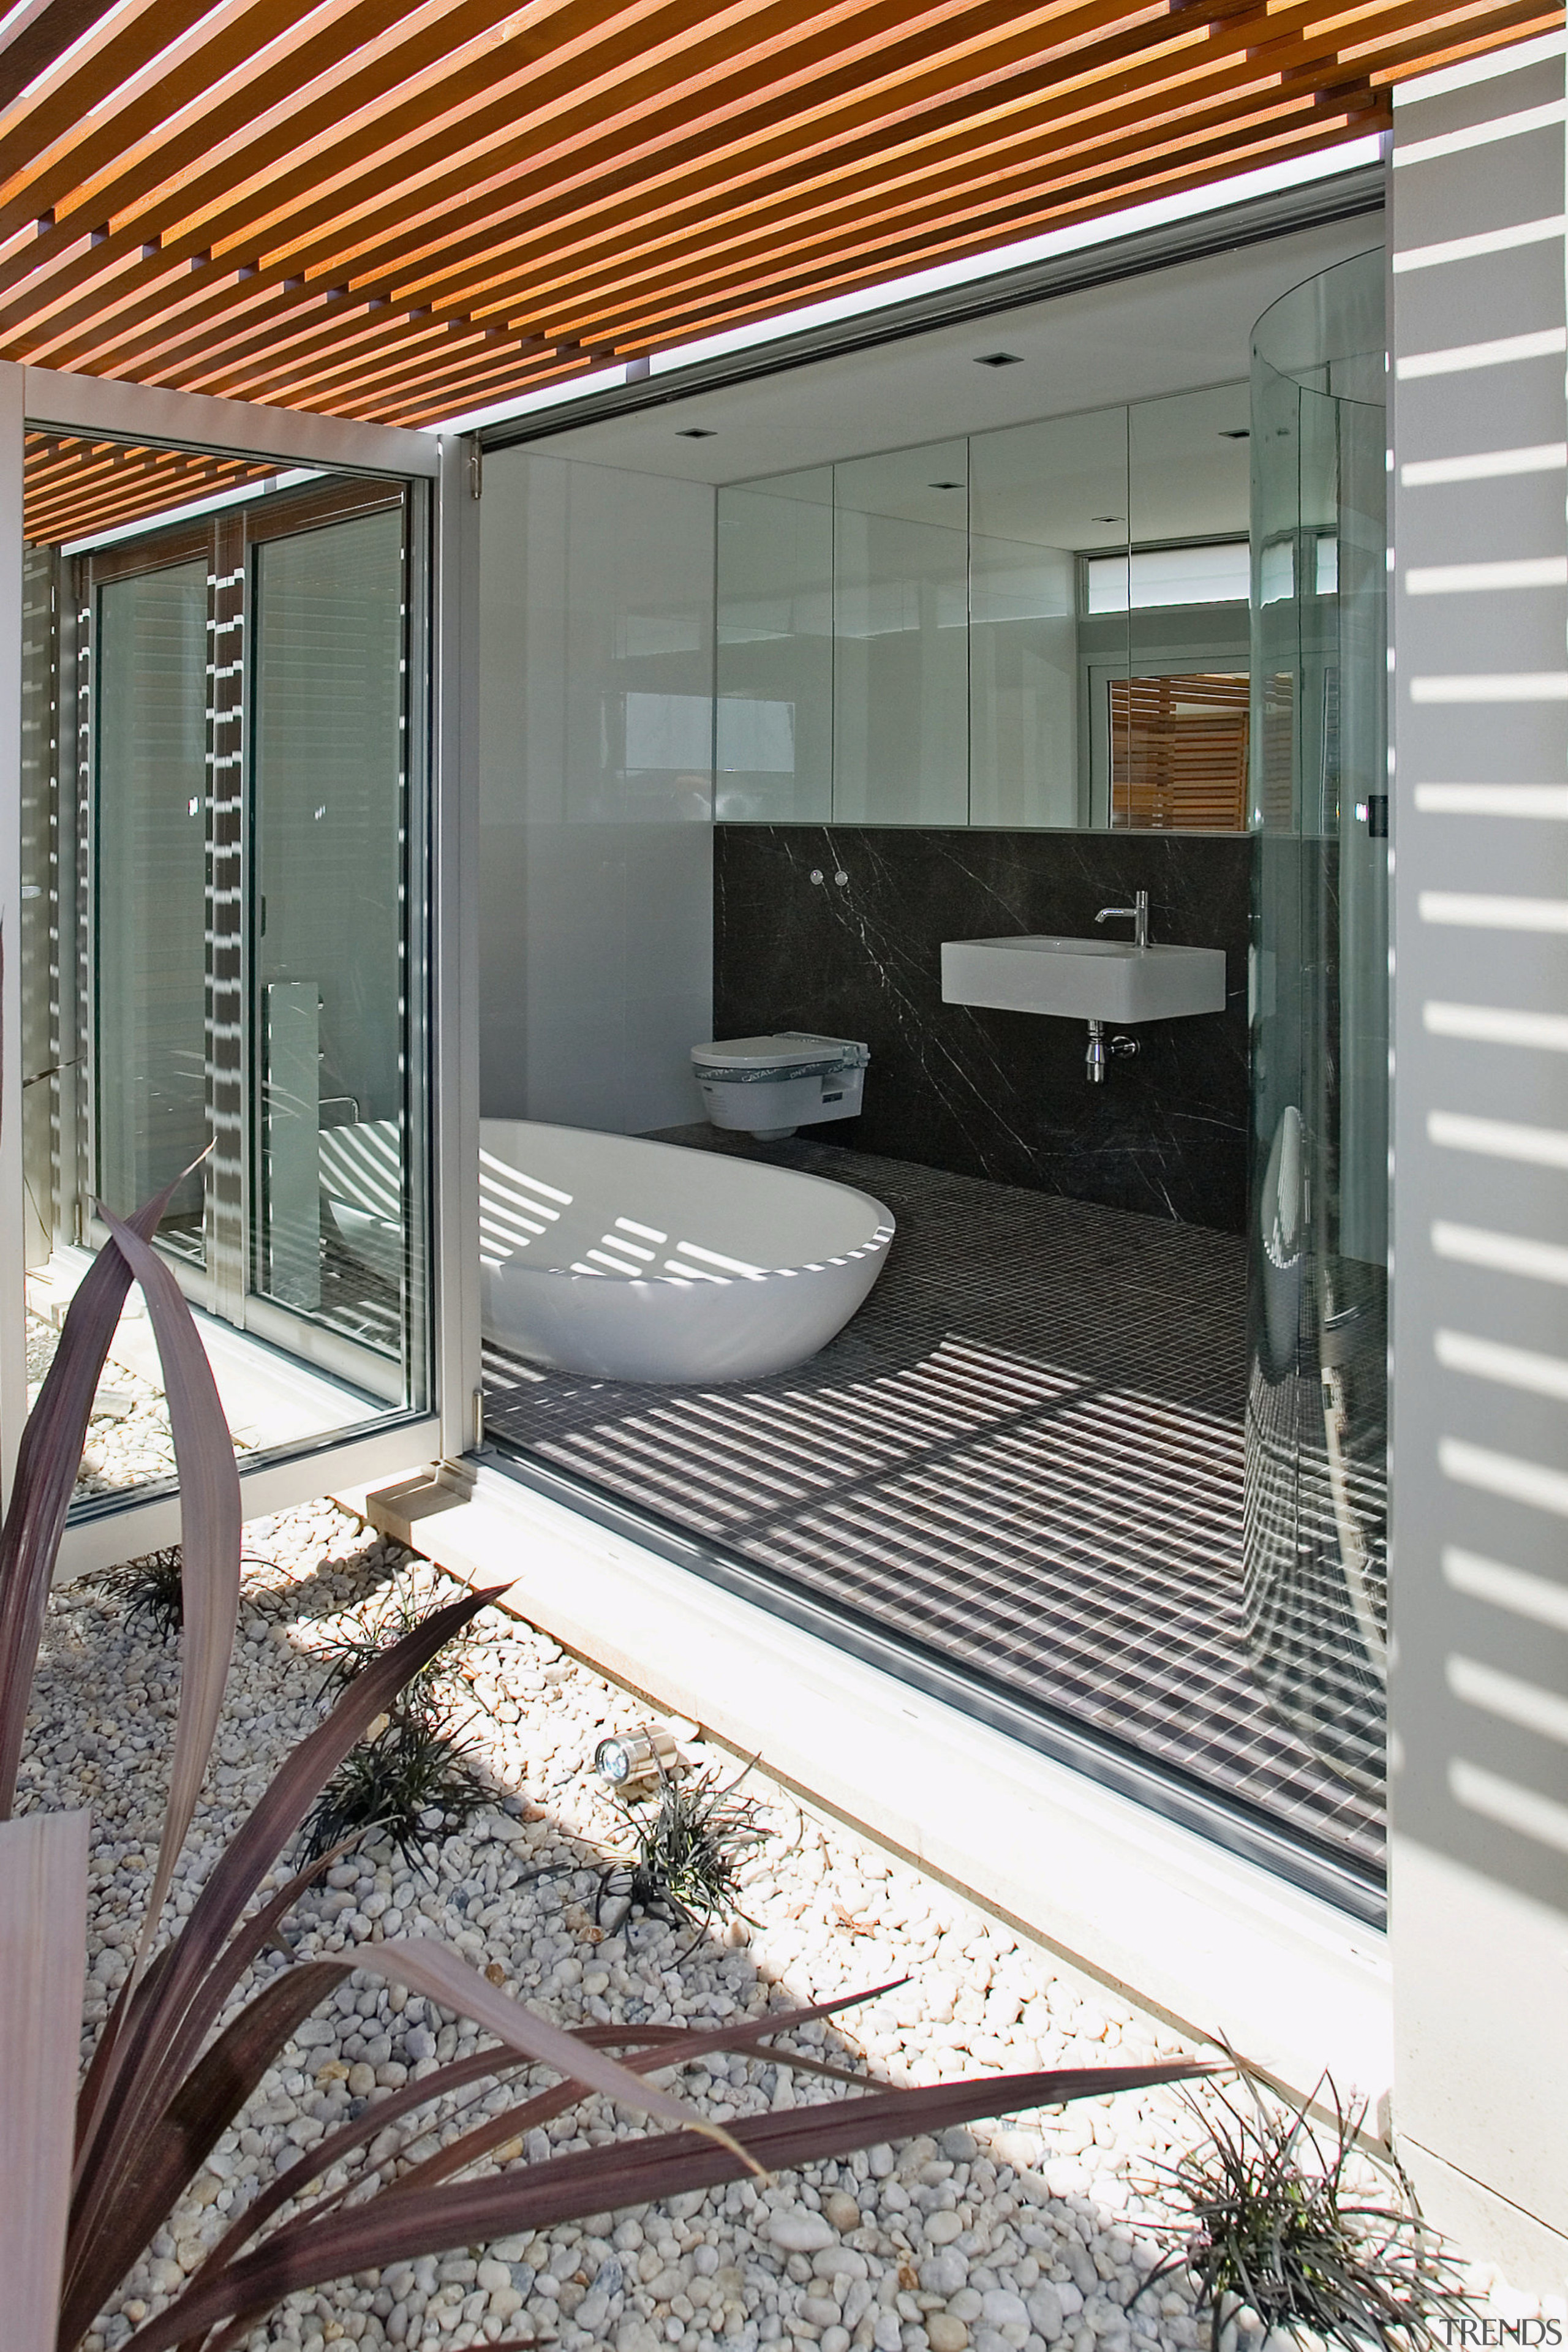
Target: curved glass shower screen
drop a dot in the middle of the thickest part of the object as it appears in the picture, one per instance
(1315, 1554)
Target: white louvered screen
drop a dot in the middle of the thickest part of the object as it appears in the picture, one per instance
(1479, 1699)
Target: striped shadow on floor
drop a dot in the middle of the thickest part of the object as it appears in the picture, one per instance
(1024, 1455)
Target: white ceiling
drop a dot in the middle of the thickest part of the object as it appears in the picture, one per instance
(1138, 339)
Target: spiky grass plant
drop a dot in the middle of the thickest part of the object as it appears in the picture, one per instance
(1281, 2213)
(152, 1587)
(411, 1779)
(410, 1782)
(349, 1653)
(690, 1848)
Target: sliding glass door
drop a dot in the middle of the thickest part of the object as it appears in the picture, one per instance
(240, 902)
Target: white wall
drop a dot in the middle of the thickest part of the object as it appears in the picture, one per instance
(1478, 1694)
(596, 792)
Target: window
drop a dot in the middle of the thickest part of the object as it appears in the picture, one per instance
(1151, 577)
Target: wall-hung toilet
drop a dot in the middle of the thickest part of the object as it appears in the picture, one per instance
(770, 1085)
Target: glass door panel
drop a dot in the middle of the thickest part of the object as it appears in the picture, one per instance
(151, 893)
(227, 707)
(329, 782)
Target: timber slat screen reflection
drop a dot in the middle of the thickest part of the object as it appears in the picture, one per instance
(398, 212)
(1178, 753)
(75, 486)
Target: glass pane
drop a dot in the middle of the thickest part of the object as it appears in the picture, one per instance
(1181, 727)
(900, 683)
(1049, 595)
(223, 931)
(328, 727)
(151, 893)
(1315, 1559)
(774, 746)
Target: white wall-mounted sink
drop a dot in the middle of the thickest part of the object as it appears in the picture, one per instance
(1083, 980)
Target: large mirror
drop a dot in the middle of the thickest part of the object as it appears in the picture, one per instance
(1041, 625)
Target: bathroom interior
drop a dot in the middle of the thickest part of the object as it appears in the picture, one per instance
(936, 794)
(956, 770)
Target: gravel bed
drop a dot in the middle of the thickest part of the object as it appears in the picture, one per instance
(130, 1442)
(1008, 2238)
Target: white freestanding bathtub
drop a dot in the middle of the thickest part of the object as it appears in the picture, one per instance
(628, 1260)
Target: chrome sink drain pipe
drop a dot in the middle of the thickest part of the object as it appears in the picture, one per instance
(1101, 1050)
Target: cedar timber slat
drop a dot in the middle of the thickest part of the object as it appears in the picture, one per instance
(392, 210)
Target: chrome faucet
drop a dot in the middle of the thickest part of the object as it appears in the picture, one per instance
(1137, 915)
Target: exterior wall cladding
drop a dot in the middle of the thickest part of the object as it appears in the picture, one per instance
(1479, 1691)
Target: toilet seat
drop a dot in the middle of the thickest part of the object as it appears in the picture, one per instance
(767, 1087)
(791, 1054)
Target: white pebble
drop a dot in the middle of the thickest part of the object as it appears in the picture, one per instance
(799, 2233)
(854, 2254)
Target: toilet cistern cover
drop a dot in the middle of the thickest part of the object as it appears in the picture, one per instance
(792, 1054)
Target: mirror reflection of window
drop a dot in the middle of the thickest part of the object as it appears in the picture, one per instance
(1046, 625)
(1156, 578)
(1179, 754)
(1179, 728)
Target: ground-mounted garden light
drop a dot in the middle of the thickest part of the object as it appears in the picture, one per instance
(637, 1758)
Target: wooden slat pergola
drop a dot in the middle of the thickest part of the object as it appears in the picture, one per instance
(398, 212)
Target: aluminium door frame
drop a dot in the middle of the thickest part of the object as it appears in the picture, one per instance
(227, 1285)
(152, 415)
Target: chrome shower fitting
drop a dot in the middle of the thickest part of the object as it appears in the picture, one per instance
(1137, 915)
(1101, 1050)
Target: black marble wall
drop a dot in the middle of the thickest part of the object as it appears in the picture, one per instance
(999, 1094)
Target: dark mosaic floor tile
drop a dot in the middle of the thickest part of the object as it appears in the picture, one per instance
(1025, 1452)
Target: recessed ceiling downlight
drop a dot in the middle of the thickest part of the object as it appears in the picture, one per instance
(999, 359)
(695, 432)
(945, 486)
